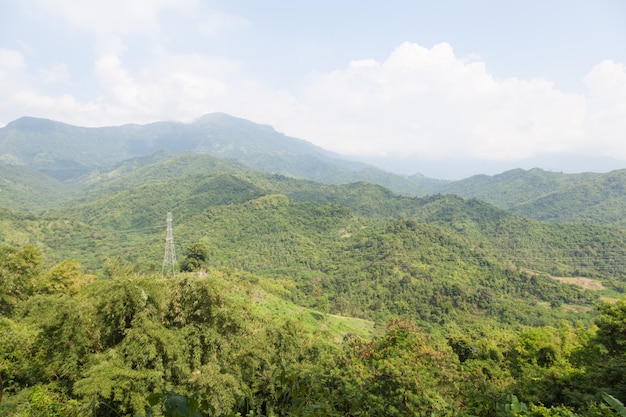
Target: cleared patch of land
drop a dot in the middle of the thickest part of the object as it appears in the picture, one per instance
(583, 282)
(269, 301)
(587, 283)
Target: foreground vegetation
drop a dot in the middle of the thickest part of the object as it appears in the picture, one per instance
(74, 344)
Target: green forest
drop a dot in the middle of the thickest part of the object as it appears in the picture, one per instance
(223, 342)
(292, 297)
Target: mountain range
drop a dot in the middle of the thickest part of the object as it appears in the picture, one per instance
(319, 231)
(43, 162)
(278, 242)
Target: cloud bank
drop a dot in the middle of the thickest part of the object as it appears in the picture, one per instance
(418, 101)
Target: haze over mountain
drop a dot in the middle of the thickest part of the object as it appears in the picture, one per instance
(64, 151)
(452, 169)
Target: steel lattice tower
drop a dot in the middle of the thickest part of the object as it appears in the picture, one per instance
(169, 259)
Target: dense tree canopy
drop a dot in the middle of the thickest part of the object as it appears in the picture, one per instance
(72, 346)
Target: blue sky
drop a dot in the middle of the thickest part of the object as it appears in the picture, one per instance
(448, 88)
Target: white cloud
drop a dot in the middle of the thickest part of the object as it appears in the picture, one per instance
(11, 80)
(112, 16)
(119, 26)
(213, 23)
(19, 95)
(430, 102)
(180, 87)
(117, 18)
(56, 74)
(424, 101)
(115, 81)
(11, 66)
(169, 87)
(605, 123)
(124, 88)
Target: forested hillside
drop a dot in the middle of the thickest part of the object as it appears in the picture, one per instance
(344, 235)
(295, 297)
(512, 188)
(25, 189)
(43, 162)
(542, 195)
(66, 152)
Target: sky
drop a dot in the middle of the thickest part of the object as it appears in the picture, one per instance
(444, 88)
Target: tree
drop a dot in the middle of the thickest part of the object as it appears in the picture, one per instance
(64, 277)
(196, 258)
(19, 268)
(612, 327)
(405, 372)
(607, 353)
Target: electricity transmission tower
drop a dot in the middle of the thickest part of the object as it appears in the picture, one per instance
(169, 259)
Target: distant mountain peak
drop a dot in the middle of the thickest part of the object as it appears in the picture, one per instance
(32, 124)
(227, 120)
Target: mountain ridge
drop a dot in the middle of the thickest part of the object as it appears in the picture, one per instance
(74, 157)
(51, 146)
